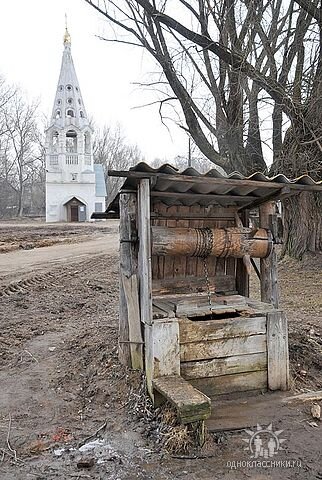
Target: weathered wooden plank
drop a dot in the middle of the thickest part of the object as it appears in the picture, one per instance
(244, 411)
(144, 260)
(202, 196)
(128, 267)
(193, 284)
(226, 347)
(161, 207)
(277, 351)
(166, 305)
(131, 292)
(224, 366)
(162, 351)
(212, 212)
(158, 312)
(260, 306)
(192, 405)
(234, 300)
(207, 330)
(240, 382)
(154, 258)
(198, 305)
(166, 350)
(268, 266)
(304, 397)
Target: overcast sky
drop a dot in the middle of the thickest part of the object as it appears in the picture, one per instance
(31, 38)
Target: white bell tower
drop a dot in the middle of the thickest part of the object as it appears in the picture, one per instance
(71, 193)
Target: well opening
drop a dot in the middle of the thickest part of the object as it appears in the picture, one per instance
(214, 316)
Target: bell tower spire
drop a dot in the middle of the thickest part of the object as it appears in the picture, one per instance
(68, 105)
(67, 39)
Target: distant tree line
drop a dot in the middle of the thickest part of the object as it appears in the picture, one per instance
(21, 154)
(112, 149)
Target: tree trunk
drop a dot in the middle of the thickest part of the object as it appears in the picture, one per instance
(302, 232)
(302, 154)
(20, 202)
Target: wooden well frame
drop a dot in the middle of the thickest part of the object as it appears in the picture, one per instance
(245, 346)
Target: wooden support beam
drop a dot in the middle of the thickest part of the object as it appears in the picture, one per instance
(191, 405)
(131, 292)
(281, 194)
(204, 196)
(128, 269)
(268, 266)
(144, 260)
(277, 351)
(258, 273)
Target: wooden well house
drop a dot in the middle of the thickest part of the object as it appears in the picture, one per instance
(186, 252)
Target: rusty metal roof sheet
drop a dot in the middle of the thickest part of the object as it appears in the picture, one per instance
(189, 186)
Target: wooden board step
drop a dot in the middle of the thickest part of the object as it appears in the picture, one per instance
(191, 404)
(247, 410)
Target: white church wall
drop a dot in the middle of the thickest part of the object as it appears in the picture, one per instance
(59, 194)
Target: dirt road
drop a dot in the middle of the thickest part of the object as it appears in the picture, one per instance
(19, 262)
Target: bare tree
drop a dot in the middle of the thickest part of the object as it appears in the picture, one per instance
(21, 153)
(112, 150)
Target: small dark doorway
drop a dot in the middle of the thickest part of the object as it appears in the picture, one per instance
(76, 210)
(74, 213)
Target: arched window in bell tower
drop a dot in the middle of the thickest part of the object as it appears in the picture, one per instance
(54, 142)
(87, 142)
(70, 113)
(71, 141)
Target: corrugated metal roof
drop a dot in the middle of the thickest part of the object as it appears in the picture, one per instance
(100, 187)
(189, 186)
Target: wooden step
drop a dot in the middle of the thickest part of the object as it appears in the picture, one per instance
(246, 410)
(191, 404)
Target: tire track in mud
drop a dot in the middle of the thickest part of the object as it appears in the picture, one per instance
(52, 278)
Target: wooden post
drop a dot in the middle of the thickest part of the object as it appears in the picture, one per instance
(268, 266)
(131, 292)
(144, 260)
(277, 351)
(242, 277)
(130, 354)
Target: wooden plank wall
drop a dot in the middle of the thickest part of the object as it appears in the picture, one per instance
(224, 356)
(178, 267)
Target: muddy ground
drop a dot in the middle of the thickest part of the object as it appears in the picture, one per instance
(62, 386)
(15, 235)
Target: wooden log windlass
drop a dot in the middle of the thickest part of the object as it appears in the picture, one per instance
(219, 242)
